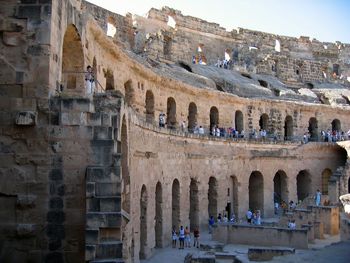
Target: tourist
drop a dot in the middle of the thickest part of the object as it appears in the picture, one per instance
(276, 207)
(232, 218)
(196, 237)
(161, 120)
(291, 224)
(318, 197)
(187, 237)
(219, 218)
(292, 205)
(217, 131)
(90, 81)
(257, 219)
(174, 237)
(200, 130)
(182, 237)
(211, 223)
(225, 219)
(249, 216)
(183, 126)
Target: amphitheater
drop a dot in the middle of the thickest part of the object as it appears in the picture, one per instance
(94, 178)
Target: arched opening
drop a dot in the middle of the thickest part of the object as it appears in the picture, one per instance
(256, 191)
(185, 66)
(111, 29)
(263, 83)
(194, 205)
(143, 222)
(303, 184)
(72, 60)
(192, 117)
(280, 187)
(277, 46)
(214, 117)
(313, 129)
(149, 106)
(129, 93)
(239, 121)
(234, 193)
(288, 128)
(159, 215)
(264, 122)
(125, 168)
(171, 113)
(326, 174)
(336, 126)
(109, 79)
(212, 197)
(175, 204)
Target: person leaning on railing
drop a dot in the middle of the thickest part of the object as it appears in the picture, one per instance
(89, 80)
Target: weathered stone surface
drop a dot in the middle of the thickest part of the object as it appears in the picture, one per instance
(26, 118)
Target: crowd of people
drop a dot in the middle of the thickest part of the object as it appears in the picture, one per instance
(183, 235)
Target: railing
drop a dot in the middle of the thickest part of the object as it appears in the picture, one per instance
(72, 79)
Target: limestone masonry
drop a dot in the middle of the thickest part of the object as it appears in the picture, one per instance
(94, 178)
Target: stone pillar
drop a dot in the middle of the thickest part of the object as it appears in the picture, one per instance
(333, 189)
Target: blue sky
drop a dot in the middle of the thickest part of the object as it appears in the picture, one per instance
(325, 20)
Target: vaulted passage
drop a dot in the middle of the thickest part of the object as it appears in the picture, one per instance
(288, 128)
(336, 126)
(125, 168)
(149, 106)
(212, 197)
(194, 205)
(192, 116)
(175, 204)
(214, 117)
(171, 113)
(129, 93)
(303, 184)
(234, 195)
(313, 129)
(326, 174)
(143, 222)
(256, 191)
(239, 121)
(159, 216)
(280, 187)
(72, 60)
(264, 122)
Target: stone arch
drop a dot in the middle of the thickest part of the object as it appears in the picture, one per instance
(111, 27)
(72, 60)
(109, 79)
(194, 204)
(143, 222)
(158, 228)
(212, 197)
(149, 106)
(303, 184)
(256, 191)
(239, 121)
(129, 92)
(288, 128)
(214, 117)
(192, 116)
(336, 125)
(234, 195)
(326, 174)
(313, 129)
(171, 113)
(175, 203)
(280, 187)
(264, 122)
(125, 167)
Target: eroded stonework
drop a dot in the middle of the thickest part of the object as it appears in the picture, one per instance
(94, 177)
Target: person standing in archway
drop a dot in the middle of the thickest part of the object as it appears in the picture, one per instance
(318, 197)
(89, 80)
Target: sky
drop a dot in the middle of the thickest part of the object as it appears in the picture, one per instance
(325, 20)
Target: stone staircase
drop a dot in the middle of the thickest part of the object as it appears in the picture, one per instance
(103, 233)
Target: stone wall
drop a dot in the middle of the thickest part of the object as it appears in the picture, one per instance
(264, 236)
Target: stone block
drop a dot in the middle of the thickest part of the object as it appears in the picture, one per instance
(56, 203)
(73, 118)
(55, 231)
(93, 205)
(100, 174)
(103, 133)
(102, 219)
(55, 217)
(91, 236)
(90, 189)
(94, 119)
(109, 250)
(25, 201)
(13, 91)
(26, 118)
(25, 230)
(56, 175)
(265, 254)
(106, 119)
(90, 252)
(110, 204)
(107, 189)
(31, 12)
(77, 105)
(12, 38)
